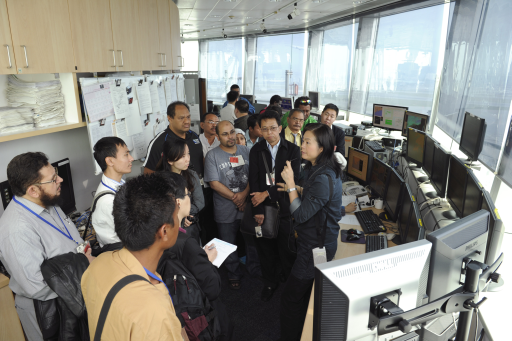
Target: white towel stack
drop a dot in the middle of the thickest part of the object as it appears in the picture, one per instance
(44, 99)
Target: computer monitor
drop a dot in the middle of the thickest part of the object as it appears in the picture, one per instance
(415, 146)
(415, 229)
(428, 156)
(344, 289)
(250, 98)
(440, 171)
(496, 229)
(314, 96)
(456, 188)
(414, 120)
(472, 137)
(358, 142)
(466, 237)
(358, 165)
(393, 198)
(286, 104)
(388, 116)
(379, 177)
(473, 195)
(404, 215)
(67, 193)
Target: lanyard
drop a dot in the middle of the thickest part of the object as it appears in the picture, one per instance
(108, 186)
(150, 274)
(46, 221)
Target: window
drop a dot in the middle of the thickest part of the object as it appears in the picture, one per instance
(190, 52)
(225, 67)
(275, 56)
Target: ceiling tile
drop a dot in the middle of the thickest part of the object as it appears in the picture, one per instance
(186, 3)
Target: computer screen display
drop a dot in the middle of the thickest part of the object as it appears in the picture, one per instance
(379, 177)
(388, 116)
(358, 164)
(428, 156)
(314, 96)
(393, 197)
(415, 146)
(457, 179)
(286, 104)
(440, 171)
(67, 193)
(472, 136)
(414, 120)
(405, 212)
(473, 197)
(250, 98)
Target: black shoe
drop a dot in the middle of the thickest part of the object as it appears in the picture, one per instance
(267, 294)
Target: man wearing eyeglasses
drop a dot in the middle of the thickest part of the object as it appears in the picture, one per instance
(304, 104)
(276, 151)
(209, 138)
(293, 131)
(33, 228)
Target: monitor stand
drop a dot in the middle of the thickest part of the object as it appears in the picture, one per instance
(449, 214)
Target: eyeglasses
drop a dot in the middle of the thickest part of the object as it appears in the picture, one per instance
(305, 101)
(213, 122)
(272, 129)
(54, 180)
(298, 120)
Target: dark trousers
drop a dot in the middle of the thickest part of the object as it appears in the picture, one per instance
(272, 252)
(227, 233)
(208, 226)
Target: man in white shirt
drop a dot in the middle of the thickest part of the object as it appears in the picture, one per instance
(209, 138)
(228, 112)
(114, 159)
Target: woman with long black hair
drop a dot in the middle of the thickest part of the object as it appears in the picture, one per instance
(176, 159)
(316, 210)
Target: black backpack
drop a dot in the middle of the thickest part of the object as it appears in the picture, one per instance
(192, 307)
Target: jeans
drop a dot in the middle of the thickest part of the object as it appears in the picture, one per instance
(227, 233)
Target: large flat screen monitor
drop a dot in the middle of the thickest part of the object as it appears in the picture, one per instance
(388, 116)
(428, 155)
(358, 165)
(440, 171)
(415, 228)
(456, 188)
(414, 120)
(466, 237)
(496, 229)
(473, 195)
(314, 96)
(250, 98)
(473, 132)
(405, 213)
(379, 177)
(67, 193)
(415, 147)
(286, 104)
(393, 198)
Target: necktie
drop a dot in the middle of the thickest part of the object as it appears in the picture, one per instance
(294, 138)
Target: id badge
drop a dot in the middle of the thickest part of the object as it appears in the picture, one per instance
(82, 248)
(259, 234)
(319, 256)
(272, 175)
(236, 161)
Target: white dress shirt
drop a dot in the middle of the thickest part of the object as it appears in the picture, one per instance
(206, 145)
(102, 218)
(228, 113)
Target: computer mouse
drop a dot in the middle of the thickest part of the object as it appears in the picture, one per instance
(354, 231)
(352, 237)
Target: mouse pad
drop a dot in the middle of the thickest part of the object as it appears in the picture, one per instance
(361, 240)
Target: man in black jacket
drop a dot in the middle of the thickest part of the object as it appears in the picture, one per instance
(276, 152)
(328, 117)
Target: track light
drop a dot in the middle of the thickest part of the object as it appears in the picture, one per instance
(262, 26)
(224, 34)
(295, 13)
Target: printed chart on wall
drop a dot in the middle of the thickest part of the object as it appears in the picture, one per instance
(132, 108)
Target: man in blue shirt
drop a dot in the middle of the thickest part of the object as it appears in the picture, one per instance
(236, 88)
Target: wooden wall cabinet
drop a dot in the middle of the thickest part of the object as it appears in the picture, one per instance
(164, 32)
(91, 30)
(7, 62)
(41, 36)
(149, 40)
(125, 30)
(177, 60)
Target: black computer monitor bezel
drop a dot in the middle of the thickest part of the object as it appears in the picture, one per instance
(434, 143)
(472, 154)
(410, 158)
(394, 215)
(317, 93)
(495, 226)
(66, 207)
(402, 230)
(250, 98)
(404, 127)
(415, 214)
(388, 170)
(391, 106)
(441, 191)
(368, 168)
(456, 161)
(471, 177)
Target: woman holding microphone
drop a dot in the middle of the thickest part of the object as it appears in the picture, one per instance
(316, 210)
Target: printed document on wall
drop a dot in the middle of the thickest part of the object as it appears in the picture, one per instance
(133, 123)
(144, 98)
(161, 97)
(120, 100)
(155, 99)
(98, 101)
(98, 130)
(181, 89)
(170, 89)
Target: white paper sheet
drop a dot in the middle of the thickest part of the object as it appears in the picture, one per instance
(170, 90)
(349, 219)
(194, 113)
(133, 123)
(155, 99)
(139, 146)
(144, 98)
(181, 89)
(161, 98)
(347, 199)
(223, 250)
(120, 101)
(96, 132)
(98, 101)
(119, 129)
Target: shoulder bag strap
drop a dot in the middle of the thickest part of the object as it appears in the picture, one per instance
(93, 208)
(266, 168)
(110, 297)
(321, 229)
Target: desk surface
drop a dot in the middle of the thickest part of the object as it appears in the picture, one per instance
(345, 250)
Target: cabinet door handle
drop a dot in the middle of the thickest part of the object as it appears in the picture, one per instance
(165, 60)
(161, 60)
(181, 61)
(113, 55)
(122, 60)
(8, 56)
(26, 58)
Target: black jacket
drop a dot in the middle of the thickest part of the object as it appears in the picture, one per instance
(63, 275)
(339, 138)
(257, 174)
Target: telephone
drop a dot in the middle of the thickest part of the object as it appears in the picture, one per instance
(349, 184)
(353, 188)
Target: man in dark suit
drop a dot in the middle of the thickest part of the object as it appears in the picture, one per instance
(276, 152)
(328, 117)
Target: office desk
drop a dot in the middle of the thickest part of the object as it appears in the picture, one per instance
(10, 326)
(345, 250)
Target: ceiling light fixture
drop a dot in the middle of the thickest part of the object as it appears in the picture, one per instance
(214, 16)
(262, 26)
(295, 13)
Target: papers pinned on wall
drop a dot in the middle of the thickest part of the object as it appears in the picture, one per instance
(98, 101)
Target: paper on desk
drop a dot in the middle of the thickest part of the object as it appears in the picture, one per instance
(347, 199)
(349, 219)
(144, 98)
(223, 250)
(120, 101)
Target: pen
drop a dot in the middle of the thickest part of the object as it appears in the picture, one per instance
(211, 247)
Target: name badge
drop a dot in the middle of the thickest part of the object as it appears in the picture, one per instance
(272, 175)
(196, 141)
(237, 161)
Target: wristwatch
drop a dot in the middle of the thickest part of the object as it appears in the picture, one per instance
(291, 189)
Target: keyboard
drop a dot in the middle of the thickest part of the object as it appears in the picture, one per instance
(375, 146)
(374, 243)
(370, 222)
